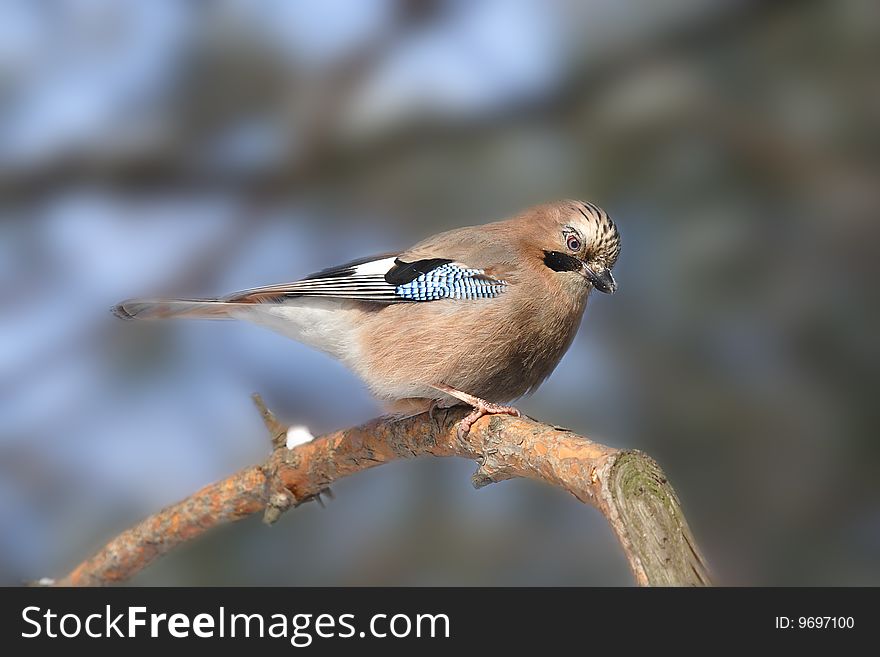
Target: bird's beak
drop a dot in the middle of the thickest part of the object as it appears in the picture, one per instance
(601, 279)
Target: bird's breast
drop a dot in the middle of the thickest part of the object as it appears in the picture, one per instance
(498, 349)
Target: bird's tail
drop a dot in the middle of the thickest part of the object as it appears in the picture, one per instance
(174, 308)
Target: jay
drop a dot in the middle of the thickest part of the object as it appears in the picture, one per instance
(480, 315)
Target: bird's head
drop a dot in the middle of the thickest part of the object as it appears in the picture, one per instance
(579, 242)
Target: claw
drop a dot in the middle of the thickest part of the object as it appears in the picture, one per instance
(481, 409)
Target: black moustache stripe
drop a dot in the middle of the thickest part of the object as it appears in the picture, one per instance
(558, 261)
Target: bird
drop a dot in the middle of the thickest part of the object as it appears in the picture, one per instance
(478, 315)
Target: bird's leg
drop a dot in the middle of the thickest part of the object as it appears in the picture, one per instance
(481, 407)
(435, 404)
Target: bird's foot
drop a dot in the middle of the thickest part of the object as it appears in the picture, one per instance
(481, 407)
(484, 408)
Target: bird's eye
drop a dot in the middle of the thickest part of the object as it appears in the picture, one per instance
(573, 243)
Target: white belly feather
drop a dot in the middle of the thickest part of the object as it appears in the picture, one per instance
(324, 324)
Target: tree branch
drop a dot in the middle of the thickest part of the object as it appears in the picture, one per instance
(627, 487)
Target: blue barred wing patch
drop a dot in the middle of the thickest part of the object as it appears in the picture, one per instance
(451, 281)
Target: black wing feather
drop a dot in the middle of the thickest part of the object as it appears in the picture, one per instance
(406, 272)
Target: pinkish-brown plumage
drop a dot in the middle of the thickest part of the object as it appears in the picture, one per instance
(544, 263)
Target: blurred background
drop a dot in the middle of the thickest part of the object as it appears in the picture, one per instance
(199, 148)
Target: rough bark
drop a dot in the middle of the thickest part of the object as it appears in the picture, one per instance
(627, 487)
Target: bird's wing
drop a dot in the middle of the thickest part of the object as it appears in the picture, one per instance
(384, 279)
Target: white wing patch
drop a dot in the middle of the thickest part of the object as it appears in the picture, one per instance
(375, 267)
